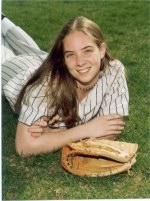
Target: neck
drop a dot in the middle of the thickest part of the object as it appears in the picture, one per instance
(86, 88)
(89, 87)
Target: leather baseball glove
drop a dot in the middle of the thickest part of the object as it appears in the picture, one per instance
(97, 157)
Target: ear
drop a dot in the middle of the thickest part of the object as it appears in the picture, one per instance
(102, 50)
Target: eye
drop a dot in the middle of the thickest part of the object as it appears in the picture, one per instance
(68, 55)
(88, 51)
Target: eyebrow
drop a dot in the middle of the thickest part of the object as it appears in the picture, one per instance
(86, 47)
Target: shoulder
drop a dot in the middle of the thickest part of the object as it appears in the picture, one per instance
(36, 93)
(114, 67)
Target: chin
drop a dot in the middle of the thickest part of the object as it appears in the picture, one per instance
(84, 83)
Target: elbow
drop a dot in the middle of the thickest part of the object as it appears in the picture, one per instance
(26, 147)
(30, 146)
(19, 149)
(24, 143)
(23, 150)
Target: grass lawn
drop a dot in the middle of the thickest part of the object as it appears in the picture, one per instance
(125, 25)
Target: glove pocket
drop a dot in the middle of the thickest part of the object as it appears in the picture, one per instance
(84, 160)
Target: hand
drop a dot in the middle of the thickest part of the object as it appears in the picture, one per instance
(105, 126)
(39, 127)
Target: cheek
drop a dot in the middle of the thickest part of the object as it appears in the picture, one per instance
(70, 64)
(97, 60)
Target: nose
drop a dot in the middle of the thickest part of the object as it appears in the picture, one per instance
(80, 61)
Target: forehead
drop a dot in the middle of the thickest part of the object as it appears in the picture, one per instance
(77, 40)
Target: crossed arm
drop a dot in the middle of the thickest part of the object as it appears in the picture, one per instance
(39, 138)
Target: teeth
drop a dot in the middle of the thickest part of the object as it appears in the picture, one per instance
(84, 70)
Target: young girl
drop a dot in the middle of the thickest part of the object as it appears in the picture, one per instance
(76, 91)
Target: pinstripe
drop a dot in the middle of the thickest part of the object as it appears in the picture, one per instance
(35, 98)
(7, 74)
(96, 93)
(9, 68)
(21, 45)
(6, 50)
(110, 104)
(115, 77)
(12, 94)
(27, 62)
(116, 107)
(5, 80)
(93, 114)
(38, 109)
(6, 53)
(17, 81)
(103, 92)
(15, 89)
(18, 36)
(107, 81)
(11, 102)
(125, 95)
(18, 48)
(26, 111)
(7, 64)
(122, 104)
(84, 114)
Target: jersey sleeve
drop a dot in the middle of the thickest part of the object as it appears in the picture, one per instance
(23, 67)
(34, 105)
(116, 99)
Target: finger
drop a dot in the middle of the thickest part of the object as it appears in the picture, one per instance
(117, 122)
(113, 132)
(114, 116)
(40, 123)
(36, 134)
(35, 130)
(116, 128)
(45, 118)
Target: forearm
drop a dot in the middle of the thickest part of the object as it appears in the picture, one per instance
(48, 142)
(101, 127)
(52, 141)
(55, 140)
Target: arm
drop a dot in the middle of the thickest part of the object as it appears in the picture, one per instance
(49, 141)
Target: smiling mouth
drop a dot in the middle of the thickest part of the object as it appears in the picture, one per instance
(85, 70)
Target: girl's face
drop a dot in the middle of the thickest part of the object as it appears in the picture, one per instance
(83, 57)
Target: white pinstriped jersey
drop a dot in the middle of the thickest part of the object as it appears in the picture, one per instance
(109, 95)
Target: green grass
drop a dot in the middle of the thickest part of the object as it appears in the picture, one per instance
(125, 25)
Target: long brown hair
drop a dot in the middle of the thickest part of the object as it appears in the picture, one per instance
(61, 91)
